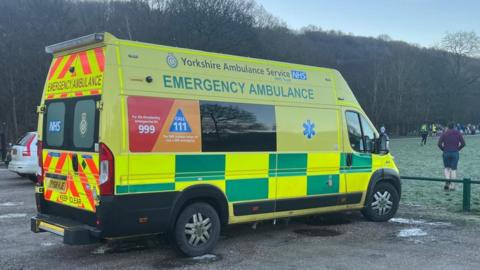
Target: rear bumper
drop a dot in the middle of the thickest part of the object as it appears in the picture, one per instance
(22, 167)
(73, 233)
(115, 216)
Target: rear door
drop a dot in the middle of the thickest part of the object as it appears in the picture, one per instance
(70, 156)
(84, 155)
(55, 157)
(70, 128)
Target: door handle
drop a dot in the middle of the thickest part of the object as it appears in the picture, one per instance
(349, 160)
(75, 162)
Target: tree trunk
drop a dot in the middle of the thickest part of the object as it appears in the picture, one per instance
(14, 107)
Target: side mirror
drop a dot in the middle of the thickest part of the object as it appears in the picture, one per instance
(382, 144)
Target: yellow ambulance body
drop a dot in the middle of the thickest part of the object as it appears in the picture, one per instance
(139, 138)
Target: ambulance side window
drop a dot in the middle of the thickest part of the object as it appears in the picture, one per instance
(55, 128)
(354, 131)
(235, 127)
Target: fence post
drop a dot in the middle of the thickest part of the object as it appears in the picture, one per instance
(467, 191)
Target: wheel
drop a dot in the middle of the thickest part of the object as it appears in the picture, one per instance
(197, 229)
(32, 178)
(382, 204)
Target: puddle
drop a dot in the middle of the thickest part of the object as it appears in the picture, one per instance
(47, 244)
(11, 204)
(407, 221)
(121, 246)
(377, 255)
(419, 222)
(412, 232)
(328, 220)
(417, 241)
(445, 224)
(205, 257)
(101, 250)
(13, 215)
(178, 262)
(317, 232)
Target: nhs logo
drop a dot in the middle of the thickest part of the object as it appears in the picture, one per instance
(54, 126)
(299, 75)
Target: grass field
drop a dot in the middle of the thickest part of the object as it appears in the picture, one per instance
(415, 160)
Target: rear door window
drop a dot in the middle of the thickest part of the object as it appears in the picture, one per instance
(71, 124)
(84, 124)
(55, 123)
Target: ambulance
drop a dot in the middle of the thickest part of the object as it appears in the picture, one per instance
(137, 138)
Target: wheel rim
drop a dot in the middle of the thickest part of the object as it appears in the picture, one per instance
(382, 202)
(198, 229)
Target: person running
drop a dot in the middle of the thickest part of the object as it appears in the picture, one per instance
(424, 134)
(451, 142)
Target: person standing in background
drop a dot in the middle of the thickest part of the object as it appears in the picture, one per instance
(383, 132)
(424, 134)
(451, 142)
(434, 130)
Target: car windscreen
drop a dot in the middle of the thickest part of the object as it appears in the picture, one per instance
(71, 124)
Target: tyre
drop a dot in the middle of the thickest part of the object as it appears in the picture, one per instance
(32, 178)
(197, 229)
(382, 204)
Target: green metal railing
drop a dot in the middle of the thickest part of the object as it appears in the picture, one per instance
(466, 182)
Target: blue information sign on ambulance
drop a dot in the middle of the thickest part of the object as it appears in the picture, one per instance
(180, 123)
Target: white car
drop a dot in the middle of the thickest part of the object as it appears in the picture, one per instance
(24, 156)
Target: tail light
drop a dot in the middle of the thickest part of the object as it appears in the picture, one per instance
(26, 153)
(107, 176)
(40, 161)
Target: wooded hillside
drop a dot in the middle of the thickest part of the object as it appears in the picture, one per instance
(398, 84)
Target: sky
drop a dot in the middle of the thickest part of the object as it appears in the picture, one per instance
(422, 22)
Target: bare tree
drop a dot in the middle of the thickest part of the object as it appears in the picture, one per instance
(461, 43)
(398, 84)
(461, 48)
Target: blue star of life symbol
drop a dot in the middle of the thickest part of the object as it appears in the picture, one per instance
(308, 130)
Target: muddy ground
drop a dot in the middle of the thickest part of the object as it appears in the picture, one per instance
(418, 238)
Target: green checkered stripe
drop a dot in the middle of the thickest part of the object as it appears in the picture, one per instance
(200, 168)
(362, 163)
(145, 188)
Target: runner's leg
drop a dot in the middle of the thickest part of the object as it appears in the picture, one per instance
(446, 172)
(453, 175)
